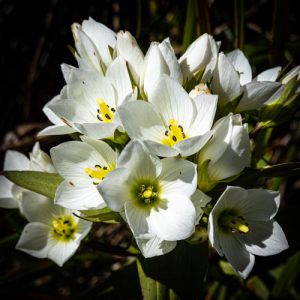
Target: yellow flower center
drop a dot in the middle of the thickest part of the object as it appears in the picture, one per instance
(64, 228)
(233, 223)
(148, 194)
(105, 113)
(97, 173)
(174, 134)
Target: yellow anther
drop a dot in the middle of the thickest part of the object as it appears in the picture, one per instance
(105, 114)
(243, 228)
(174, 134)
(148, 193)
(64, 228)
(234, 223)
(98, 172)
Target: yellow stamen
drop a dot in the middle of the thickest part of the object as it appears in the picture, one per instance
(64, 228)
(174, 135)
(98, 172)
(105, 113)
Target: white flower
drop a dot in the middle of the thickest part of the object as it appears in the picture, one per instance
(227, 153)
(10, 193)
(160, 59)
(200, 56)
(128, 48)
(171, 123)
(233, 76)
(83, 165)
(154, 195)
(94, 44)
(89, 102)
(151, 245)
(53, 231)
(241, 225)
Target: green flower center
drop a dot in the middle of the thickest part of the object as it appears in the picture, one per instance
(64, 228)
(231, 221)
(145, 193)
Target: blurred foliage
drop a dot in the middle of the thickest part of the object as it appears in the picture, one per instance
(34, 36)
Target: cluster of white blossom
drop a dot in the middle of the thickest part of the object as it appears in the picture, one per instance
(156, 134)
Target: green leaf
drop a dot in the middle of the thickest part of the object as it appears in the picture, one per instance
(39, 182)
(287, 277)
(181, 270)
(189, 27)
(105, 215)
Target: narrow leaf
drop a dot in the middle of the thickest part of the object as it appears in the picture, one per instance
(39, 182)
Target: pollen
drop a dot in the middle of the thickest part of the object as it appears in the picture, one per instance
(105, 113)
(98, 173)
(64, 228)
(174, 134)
(234, 223)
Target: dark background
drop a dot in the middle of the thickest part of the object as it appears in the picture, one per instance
(34, 36)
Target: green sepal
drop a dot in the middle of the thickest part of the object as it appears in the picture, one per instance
(283, 108)
(205, 182)
(231, 106)
(104, 215)
(39, 182)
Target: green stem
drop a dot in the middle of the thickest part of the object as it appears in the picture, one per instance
(239, 20)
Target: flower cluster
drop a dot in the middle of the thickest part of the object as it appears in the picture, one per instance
(155, 135)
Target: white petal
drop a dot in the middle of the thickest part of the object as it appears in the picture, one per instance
(256, 94)
(292, 73)
(118, 75)
(141, 121)
(206, 106)
(235, 157)
(174, 219)
(60, 252)
(137, 219)
(5, 188)
(114, 190)
(128, 48)
(168, 53)
(178, 176)
(225, 82)
(220, 140)
(173, 102)
(67, 71)
(241, 64)
(40, 161)
(232, 198)
(6, 202)
(160, 149)
(154, 246)
(78, 194)
(154, 66)
(209, 69)
(192, 145)
(15, 160)
(34, 240)
(72, 158)
(139, 162)
(196, 57)
(102, 37)
(108, 154)
(56, 130)
(37, 208)
(264, 238)
(260, 205)
(97, 130)
(199, 200)
(268, 75)
(240, 259)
